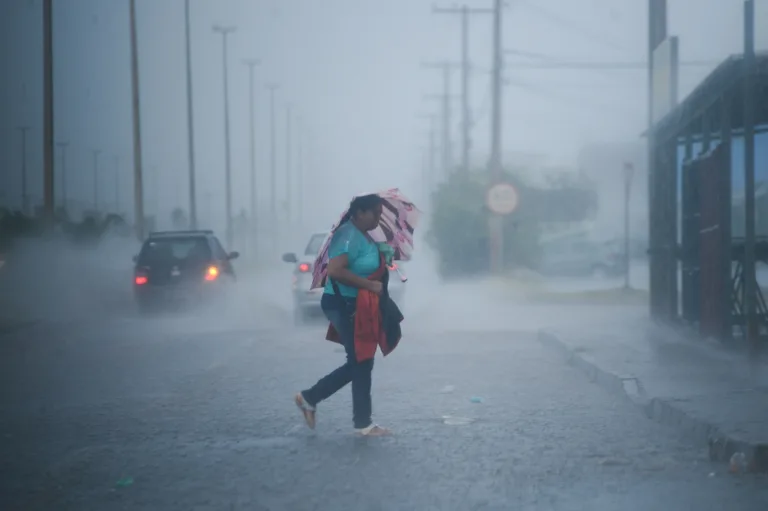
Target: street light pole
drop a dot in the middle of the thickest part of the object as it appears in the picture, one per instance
(253, 231)
(24, 194)
(225, 31)
(138, 179)
(629, 170)
(190, 124)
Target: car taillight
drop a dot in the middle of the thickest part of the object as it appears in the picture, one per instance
(211, 273)
(140, 280)
(303, 267)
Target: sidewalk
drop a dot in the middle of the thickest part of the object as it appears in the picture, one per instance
(711, 394)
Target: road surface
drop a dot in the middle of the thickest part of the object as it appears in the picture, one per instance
(183, 413)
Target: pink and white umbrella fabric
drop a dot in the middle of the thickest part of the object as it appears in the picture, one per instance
(399, 219)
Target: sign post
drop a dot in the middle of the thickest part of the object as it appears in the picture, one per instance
(501, 199)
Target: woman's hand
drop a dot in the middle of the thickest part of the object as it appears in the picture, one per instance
(376, 287)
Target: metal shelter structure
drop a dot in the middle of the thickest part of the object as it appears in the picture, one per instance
(693, 210)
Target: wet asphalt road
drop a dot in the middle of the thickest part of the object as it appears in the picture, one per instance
(204, 420)
(196, 413)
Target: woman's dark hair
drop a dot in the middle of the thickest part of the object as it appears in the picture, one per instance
(362, 204)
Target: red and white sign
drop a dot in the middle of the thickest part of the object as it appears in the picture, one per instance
(502, 198)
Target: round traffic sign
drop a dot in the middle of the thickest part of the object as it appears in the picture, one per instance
(502, 198)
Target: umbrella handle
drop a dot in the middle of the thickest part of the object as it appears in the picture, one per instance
(403, 278)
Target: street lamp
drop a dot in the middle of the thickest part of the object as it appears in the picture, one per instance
(253, 231)
(629, 170)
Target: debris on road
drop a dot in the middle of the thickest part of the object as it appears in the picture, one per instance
(450, 420)
(125, 481)
(476, 399)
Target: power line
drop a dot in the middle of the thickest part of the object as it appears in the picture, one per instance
(466, 122)
(603, 66)
(447, 145)
(550, 93)
(590, 35)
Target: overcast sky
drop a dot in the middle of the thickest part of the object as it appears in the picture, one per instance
(352, 71)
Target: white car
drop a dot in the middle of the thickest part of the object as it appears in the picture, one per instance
(306, 302)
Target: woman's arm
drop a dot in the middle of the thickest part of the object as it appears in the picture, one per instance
(338, 270)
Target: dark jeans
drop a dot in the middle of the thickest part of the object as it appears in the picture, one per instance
(340, 312)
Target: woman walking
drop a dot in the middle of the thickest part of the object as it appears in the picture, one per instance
(355, 267)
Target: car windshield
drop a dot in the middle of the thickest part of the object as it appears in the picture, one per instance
(315, 243)
(175, 250)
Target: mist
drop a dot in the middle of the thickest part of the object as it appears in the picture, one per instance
(543, 381)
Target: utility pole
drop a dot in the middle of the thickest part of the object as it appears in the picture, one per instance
(430, 178)
(24, 191)
(288, 149)
(272, 152)
(750, 280)
(466, 69)
(190, 124)
(48, 142)
(63, 146)
(445, 97)
(138, 183)
(252, 134)
(495, 222)
(225, 31)
(96, 154)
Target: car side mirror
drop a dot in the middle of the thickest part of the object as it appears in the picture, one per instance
(135, 259)
(233, 255)
(290, 257)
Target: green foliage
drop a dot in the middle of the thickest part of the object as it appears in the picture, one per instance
(458, 230)
(459, 227)
(15, 225)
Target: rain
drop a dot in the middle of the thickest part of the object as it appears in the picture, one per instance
(545, 168)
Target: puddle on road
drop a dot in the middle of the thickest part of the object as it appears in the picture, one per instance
(450, 420)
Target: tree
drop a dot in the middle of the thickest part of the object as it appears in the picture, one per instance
(459, 222)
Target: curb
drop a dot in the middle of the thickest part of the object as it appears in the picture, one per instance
(721, 445)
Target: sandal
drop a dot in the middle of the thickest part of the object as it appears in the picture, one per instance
(373, 430)
(307, 410)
